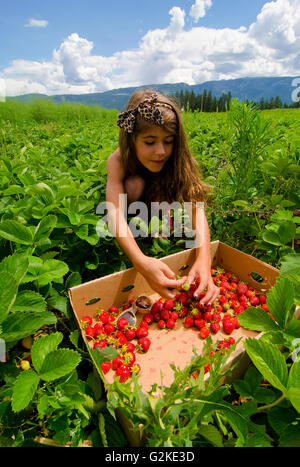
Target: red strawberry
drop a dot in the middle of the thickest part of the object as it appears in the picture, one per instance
(128, 347)
(122, 323)
(157, 306)
(216, 317)
(116, 362)
(105, 367)
(86, 320)
(204, 333)
(169, 304)
(170, 323)
(254, 301)
(130, 334)
(189, 322)
(183, 312)
(231, 340)
(183, 298)
(206, 368)
(264, 307)
(174, 315)
(241, 288)
(223, 300)
(129, 358)
(161, 324)
(99, 329)
(101, 344)
(148, 317)
(104, 317)
(109, 328)
(228, 326)
(141, 332)
(123, 372)
(125, 306)
(144, 344)
(214, 327)
(207, 316)
(239, 309)
(113, 310)
(262, 299)
(144, 324)
(200, 323)
(90, 332)
(165, 314)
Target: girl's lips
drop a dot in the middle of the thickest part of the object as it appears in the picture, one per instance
(158, 162)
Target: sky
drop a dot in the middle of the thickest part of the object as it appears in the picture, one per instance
(76, 47)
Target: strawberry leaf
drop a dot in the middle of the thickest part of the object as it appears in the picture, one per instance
(42, 347)
(59, 363)
(269, 361)
(24, 389)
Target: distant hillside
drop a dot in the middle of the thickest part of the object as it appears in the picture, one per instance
(252, 89)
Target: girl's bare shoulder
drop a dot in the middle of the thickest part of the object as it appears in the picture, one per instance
(114, 165)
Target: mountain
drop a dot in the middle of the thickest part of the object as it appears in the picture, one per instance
(252, 89)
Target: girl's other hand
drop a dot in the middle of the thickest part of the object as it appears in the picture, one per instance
(160, 277)
(203, 273)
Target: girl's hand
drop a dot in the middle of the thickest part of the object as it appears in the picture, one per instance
(201, 271)
(160, 277)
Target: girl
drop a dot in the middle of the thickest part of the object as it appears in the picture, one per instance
(153, 163)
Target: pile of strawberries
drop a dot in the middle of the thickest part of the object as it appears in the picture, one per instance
(109, 330)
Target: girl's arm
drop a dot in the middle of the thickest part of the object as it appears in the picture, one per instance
(202, 265)
(157, 274)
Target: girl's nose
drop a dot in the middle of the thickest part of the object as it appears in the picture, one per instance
(160, 149)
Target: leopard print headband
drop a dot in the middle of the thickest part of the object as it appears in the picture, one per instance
(148, 109)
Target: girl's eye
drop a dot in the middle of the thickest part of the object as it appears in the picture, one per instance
(149, 143)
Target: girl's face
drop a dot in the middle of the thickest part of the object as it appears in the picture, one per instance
(154, 146)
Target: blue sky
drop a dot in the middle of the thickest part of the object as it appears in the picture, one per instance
(71, 46)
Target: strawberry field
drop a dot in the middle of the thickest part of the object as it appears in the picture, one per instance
(53, 176)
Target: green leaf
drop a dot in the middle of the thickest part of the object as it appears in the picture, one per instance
(280, 418)
(269, 361)
(8, 293)
(27, 323)
(45, 272)
(286, 232)
(42, 347)
(290, 265)
(294, 375)
(16, 264)
(73, 280)
(24, 389)
(59, 363)
(271, 237)
(258, 320)
(28, 300)
(280, 300)
(290, 436)
(293, 395)
(44, 228)
(212, 434)
(16, 232)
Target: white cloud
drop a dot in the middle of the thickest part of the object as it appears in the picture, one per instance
(198, 9)
(37, 23)
(269, 47)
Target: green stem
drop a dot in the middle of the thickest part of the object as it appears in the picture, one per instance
(269, 406)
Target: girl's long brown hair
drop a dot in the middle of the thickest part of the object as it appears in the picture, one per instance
(180, 178)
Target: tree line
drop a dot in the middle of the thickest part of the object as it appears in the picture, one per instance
(206, 102)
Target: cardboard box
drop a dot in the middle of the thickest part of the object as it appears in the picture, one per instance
(175, 346)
